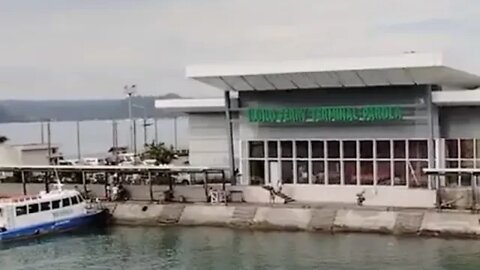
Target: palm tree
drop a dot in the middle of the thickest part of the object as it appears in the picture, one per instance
(160, 152)
(3, 139)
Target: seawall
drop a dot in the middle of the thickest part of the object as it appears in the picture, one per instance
(330, 220)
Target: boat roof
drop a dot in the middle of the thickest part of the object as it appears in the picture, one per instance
(54, 194)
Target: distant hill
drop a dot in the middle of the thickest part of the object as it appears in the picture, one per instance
(78, 110)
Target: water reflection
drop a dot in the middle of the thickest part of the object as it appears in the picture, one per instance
(215, 248)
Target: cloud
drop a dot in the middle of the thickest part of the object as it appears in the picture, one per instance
(88, 49)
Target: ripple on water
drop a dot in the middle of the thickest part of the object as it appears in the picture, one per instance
(173, 248)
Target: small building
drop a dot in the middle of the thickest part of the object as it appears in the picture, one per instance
(333, 128)
(29, 154)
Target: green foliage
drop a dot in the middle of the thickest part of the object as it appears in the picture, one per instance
(160, 152)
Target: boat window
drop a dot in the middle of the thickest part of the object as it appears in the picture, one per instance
(21, 210)
(74, 200)
(66, 202)
(44, 206)
(33, 208)
(1, 212)
(55, 204)
(80, 198)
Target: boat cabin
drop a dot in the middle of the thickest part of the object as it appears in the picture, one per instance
(44, 208)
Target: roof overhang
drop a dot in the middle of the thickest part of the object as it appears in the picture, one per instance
(456, 98)
(197, 105)
(405, 69)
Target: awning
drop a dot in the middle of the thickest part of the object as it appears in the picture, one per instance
(405, 69)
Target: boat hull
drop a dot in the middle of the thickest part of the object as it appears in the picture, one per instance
(95, 219)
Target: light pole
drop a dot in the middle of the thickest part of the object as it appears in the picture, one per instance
(145, 124)
(79, 148)
(130, 90)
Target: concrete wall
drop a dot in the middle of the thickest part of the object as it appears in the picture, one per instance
(208, 141)
(322, 194)
(35, 157)
(460, 122)
(9, 155)
(10, 189)
(206, 215)
(283, 218)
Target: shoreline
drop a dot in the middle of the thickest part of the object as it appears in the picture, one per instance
(420, 223)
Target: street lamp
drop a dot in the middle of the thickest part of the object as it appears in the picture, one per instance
(145, 124)
(130, 91)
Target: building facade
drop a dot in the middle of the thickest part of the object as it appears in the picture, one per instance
(330, 129)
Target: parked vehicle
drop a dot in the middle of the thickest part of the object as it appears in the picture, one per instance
(93, 161)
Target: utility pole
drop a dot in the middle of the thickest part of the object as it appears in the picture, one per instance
(130, 91)
(145, 125)
(115, 140)
(79, 151)
(156, 129)
(135, 138)
(49, 145)
(175, 133)
(42, 136)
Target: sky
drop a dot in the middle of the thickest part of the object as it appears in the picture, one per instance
(89, 49)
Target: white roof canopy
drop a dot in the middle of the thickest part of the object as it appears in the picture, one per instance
(405, 69)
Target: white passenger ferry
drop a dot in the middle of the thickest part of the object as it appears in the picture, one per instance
(57, 211)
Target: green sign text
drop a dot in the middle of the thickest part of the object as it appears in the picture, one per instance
(324, 114)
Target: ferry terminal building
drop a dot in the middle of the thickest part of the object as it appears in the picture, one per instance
(332, 128)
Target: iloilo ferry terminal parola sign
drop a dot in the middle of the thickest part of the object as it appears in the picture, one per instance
(324, 114)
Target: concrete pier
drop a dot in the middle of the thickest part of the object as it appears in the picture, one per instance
(331, 220)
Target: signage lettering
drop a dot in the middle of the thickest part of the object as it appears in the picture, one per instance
(324, 114)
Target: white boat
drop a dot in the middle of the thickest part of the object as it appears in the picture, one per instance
(57, 211)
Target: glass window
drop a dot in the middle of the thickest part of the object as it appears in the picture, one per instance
(257, 172)
(273, 149)
(33, 208)
(286, 149)
(21, 210)
(477, 149)
(55, 204)
(366, 149)
(256, 149)
(383, 173)
(287, 172)
(451, 147)
(399, 149)
(302, 149)
(466, 180)
(318, 171)
(366, 173)
(466, 148)
(334, 172)
(350, 172)
(317, 149)
(466, 164)
(74, 200)
(400, 173)
(383, 149)
(349, 149)
(416, 176)
(65, 202)
(333, 149)
(302, 172)
(418, 149)
(452, 180)
(80, 198)
(44, 206)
